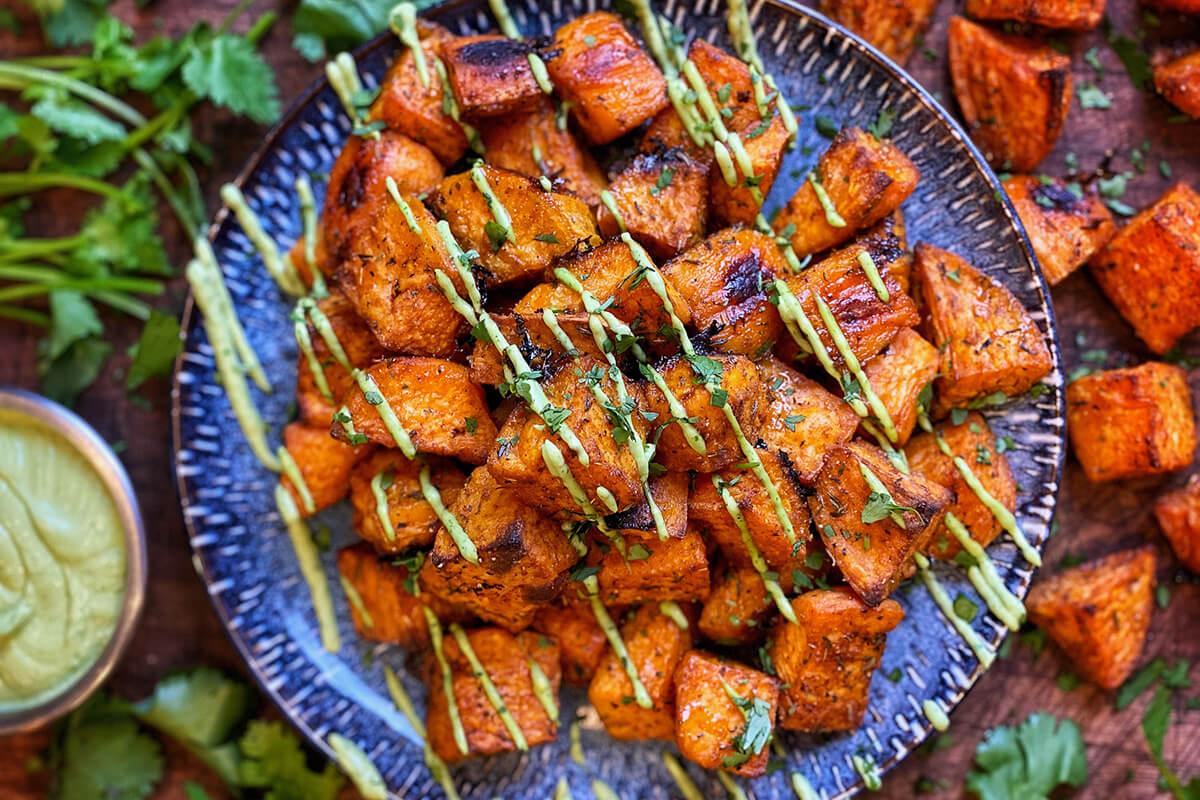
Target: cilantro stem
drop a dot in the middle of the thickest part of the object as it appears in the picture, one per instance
(24, 315)
(91, 286)
(124, 303)
(54, 62)
(184, 214)
(18, 249)
(18, 76)
(27, 182)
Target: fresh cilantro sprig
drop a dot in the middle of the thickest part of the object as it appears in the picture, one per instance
(327, 26)
(1029, 760)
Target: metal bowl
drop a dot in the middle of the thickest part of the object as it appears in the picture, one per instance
(80, 435)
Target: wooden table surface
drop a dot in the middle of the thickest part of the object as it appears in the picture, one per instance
(179, 628)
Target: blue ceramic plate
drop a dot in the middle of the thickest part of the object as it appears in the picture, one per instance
(242, 550)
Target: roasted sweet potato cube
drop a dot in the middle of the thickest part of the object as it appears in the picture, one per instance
(581, 641)
(1151, 268)
(971, 439)
(545, 225)
(728, 80)
(517, 461)
(765, 143)
(490, 75)
(670, 493)
(891, 25)
(899, 374)
(523, 556)
(384, 589)
(532, 144)
(611, 84)
(1065, 229)
(433, 400)
(411, 521)
(803, 421)
(987, 339)
(415, 107)
(324, 463)
(865, 179)
(362, 349)
(737, 608)
(505, 658)
(745, 398)
(390, 279)
(1178, 514)
(652, 570)
(1098, 613)
(662, 199)
(1133, 422)
(536, 342)
(1073, 15)
(868, 323)
(356, 192)
(872, 536)
(724, 714)
(707, 509)
(1014, 93)
(1178, 81)
(656, 646)
(826, 661)
(724, 280)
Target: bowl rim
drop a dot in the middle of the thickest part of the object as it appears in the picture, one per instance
(100, 456)
(805, 15)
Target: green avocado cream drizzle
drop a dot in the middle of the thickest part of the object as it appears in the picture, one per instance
(280, 271)
(356, 602)
(552, 456)
(343, 76)
(936, 716)
(613, 634)
(509, 28)
(543, 690)
(742, 33)
(802, 788)
(610, 203)
(832, 217)
(562, 791)
(673, 612)
(308, 216)
(868, 266)
(499, 213)
(687, 787)
(310, 567)
(403, 23)
(770, 579)
(380, 483)
(868, 771)
(291, 469)
(735, 791)
(436, 640)
(603, 791)
(436, 766)
(978, 646)
(489, 688)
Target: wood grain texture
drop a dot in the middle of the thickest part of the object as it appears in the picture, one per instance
(180, 629)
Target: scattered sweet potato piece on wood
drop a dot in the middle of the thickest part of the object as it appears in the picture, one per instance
(891, 25)
(803, 421)
(1178, 81)
(899, 374)
(413, 521)
(1098, 613)
(1072, 15)
(662, 198)
(1178, 514)
(1133, 422)
(1064, 229)
(324, 463)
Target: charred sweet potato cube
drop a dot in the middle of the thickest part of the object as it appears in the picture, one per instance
(433, 400)
(324, 463)
(891, 25)
(1178, 81)
(737, 608)
(528, 331)
(662, 199)
(505, 658)
(611, 84)
(517, 460)
(362, 349)
(1133, 422)
(1014, 93)
(415, 107)
(865, 178)
(898, 375)
(1178, 514)
(765, 143)
(670, 493)
(412, 520)
(1098, 613)
(724, 279)
(826, 661)
(987, 339)
(972, 440)
(545, 225)
(872, 536)
(356, 192)
(720, 709)
(803, 421)
(708, 511)
(390, 279)
(1073, 15)
(1151, 268)
(490, 75)
(745, 397)
(868, 323)
(531, 143)
(656, 646)
(581, 641)
(384, 592)
(523, 556)
(652, 570)
(1064, 229)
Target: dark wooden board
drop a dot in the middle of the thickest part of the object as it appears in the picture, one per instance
(180, 629)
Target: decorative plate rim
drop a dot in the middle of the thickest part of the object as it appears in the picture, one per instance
(895, 73)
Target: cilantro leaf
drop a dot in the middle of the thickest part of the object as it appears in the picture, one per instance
(274, 760)
(77, 119)
(201, 707)
(1030, 760)
(72, 319)
(155, 351)
(758, 731)
(75, 370)
(880, 506)
(109, 758)
(228, 71)
(323, 26)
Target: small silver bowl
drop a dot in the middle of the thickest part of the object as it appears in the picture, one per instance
(101, 457)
